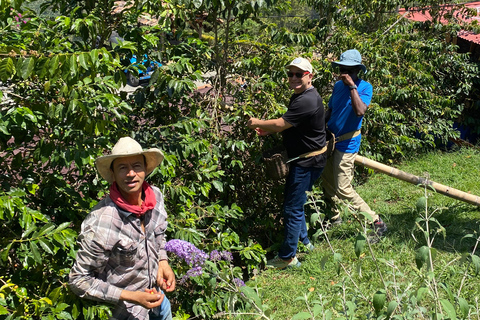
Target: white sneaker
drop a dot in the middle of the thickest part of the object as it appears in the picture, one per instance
(279, 263)
(310, 247)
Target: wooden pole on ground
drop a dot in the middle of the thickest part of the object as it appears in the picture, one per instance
(408, 177)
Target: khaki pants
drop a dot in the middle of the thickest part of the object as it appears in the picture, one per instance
(337, 179)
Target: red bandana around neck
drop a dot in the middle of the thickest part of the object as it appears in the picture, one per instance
(147, 204)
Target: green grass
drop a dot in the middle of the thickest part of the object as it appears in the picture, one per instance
(395, 201)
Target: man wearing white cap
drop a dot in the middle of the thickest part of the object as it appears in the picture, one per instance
(303, 131)
(346, 108)
(121, 257)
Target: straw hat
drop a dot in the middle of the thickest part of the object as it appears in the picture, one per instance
(126, 147)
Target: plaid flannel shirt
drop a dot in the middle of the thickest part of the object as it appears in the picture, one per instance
(115, 254)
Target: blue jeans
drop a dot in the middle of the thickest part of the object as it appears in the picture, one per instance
(163, 312)
(299, 181)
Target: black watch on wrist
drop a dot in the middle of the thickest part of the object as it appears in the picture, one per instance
(353, 87)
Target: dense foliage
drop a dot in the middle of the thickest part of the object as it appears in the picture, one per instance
(63, 103)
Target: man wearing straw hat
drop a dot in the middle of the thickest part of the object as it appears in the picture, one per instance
(121, 257)
(346, 108)
(303, 131)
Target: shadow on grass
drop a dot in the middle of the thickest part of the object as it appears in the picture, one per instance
(458, 220)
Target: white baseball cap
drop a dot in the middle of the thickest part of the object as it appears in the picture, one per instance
(302, 64)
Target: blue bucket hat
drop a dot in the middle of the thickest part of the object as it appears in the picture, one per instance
(350, 58)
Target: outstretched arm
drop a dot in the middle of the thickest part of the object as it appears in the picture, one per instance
(270, 126)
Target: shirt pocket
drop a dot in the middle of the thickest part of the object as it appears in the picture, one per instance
(125, 254)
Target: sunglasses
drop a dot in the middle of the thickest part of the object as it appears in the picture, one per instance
(347, 70)
(297, 74)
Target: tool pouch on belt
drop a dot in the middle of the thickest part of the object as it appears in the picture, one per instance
(275, 160)
(330, 136)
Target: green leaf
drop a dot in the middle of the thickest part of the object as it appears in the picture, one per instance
(4, 252)
(53, 67)
(41, 67)
(251, 294)
(197, 3)
(46, 86)
(360, 242)
(62, 226)
(46, 228)
(421, 256)
(337, 257)
(366, 216)
(73, 65)
(324, 260)
(421, 292)
(448, 291)
(45, 245)
(218, 185)
(449, 309)
(302, 316)
(6, 69)
(27, 67)
(75, 312)
(36, 254)
(84, 60)
(476, 263)
(379, 300)
(392, 305)
(301, 298)
(464, 307)
(317, 309)
(421, 204)
(3, 310)
(314, 218)
(32, 228)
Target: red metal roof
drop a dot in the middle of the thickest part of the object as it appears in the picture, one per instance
(417, 14)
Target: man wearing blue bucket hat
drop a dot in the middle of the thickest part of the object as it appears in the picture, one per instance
(346, 108)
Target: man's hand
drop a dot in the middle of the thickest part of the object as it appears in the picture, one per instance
(165, 276)
(347, 80)
(359, 107)
(262, 132)
(149, 299)
(252, 123)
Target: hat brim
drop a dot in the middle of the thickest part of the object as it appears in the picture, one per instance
(303, 69)
(153, 158)
(349, 64)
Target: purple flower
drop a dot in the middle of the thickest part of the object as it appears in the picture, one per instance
(215, 256)
(194, 272)
(192, 256)
(227, 256)
(238, 282)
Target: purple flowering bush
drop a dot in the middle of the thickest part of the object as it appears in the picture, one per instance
(193, 259)
(208, 283)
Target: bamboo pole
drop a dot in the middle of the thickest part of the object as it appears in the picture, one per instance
(408, 177)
